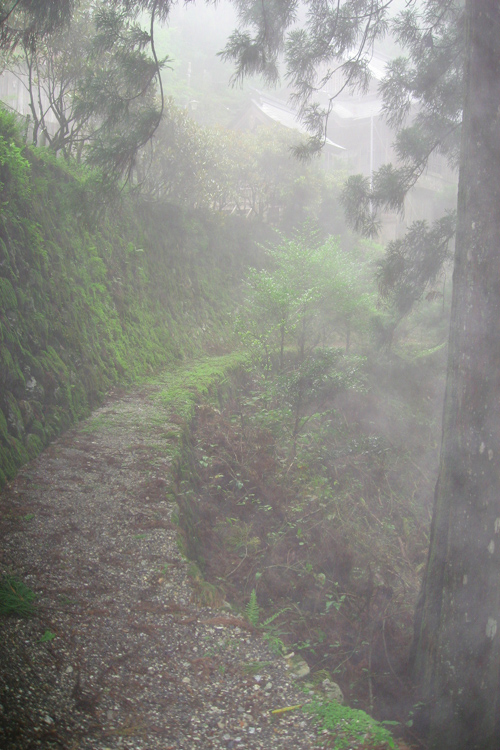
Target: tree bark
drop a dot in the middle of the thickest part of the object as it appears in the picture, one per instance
(457, 626)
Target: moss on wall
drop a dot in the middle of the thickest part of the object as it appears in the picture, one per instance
(89, 298)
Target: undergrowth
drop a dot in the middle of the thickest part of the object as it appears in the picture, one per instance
(350, 728)
(271, 630)
(324, 540)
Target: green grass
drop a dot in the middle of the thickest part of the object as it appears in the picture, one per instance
(187, 385)
(99, 422)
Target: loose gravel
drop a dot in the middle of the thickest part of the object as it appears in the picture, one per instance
(119, 654)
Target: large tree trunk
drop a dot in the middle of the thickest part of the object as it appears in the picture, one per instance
(457, 633)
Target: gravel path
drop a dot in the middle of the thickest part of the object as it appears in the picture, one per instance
(118, 653)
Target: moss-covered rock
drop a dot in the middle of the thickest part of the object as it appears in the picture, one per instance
(11, 376)
(33, 445)
(8, 299)
(14, 417)
(27, 413)
(18, 454)
(4, 428)
(38, 430)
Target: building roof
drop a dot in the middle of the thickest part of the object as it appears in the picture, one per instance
(377, 65)
(354, 108)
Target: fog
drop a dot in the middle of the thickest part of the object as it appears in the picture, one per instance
(248, 479)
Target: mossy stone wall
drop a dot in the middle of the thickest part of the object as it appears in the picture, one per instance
(89, 297)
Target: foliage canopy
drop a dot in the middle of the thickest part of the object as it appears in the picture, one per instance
(422, 93)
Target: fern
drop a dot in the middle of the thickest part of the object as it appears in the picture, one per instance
(252, 610)
(273, 633)
(15, 597)
(275, 643)
(273, 617)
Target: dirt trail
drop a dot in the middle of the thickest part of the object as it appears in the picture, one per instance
(119, 654)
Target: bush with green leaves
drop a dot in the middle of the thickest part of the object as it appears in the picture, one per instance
(310, 292)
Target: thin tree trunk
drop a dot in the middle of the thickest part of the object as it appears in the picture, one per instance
(456, 646)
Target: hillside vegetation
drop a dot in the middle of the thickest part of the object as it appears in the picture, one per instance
(307, 496)
(91, 297)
